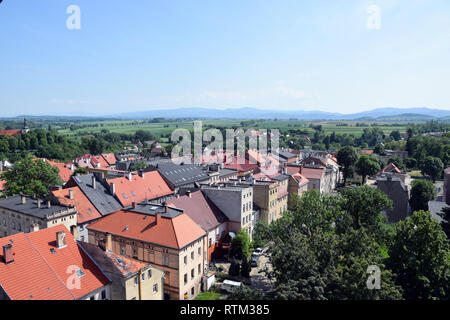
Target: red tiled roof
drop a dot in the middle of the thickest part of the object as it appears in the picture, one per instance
(10, 132)
(199, 209)
(312, 173)
(64, 169)
(152, 186)
(174, 232)
(301, 179)
(292, 169)
(99, 162)
(367, 151)
(110, 158)
(40, 273)
(85, 210)
(246, 166)
(391, 167)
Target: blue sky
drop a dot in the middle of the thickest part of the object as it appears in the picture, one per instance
(287, 54)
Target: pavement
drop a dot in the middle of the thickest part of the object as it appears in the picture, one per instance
(258, 276)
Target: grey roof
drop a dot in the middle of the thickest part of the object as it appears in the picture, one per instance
(435, 207)
(281, 177)
(179, 175)
(286, 154)
(152, 209)
(100, 197)
(30, 207)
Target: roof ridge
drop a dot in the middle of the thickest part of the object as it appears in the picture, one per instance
(39, 253)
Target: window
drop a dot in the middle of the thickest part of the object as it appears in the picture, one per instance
(135, 281)
(199, 268)
(192, 274)
(192, 255)
(122, 250)
(149, 273)
(103, 295)
(92, 298)
(155, 287)
(185, 278)
(165, 260)
(200, 249)
(185, 259)
(143, 276)
(192, 291)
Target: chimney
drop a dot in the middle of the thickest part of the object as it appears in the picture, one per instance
(94, 182)
(35, 227)
(134, 204)
(72, 167)
(8, 254)
(38, 203)
(49, 204)
(158, 217)
(70, 194)
(60, 239)
(142, 174)
(112, 188)
(178, 196)
(24, 199)
(129, 176)
(189, 194)
(108, 242)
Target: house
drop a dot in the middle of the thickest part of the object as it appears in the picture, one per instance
(86, 212)
(398, 192)
(297, 184)
(181, 177)
(162, 236)
(242, 165)
(316, 177)
(26, 214)
(49, 265)
(130, 279)
(286, 156)
(207, 215)
(331, 174)
(140, 187)
(24, 129)
(283, 193)
(390, 168)
(236, 203)
(218, 174)
(96, 192)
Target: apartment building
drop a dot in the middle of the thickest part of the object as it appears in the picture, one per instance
(131, 279)
(26, 214)
(236, 202)
(49, 265)
(162, 236)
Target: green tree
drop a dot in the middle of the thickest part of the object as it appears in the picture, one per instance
(420, 256)
(432, 167)
(445, 223)
(246, 267)
(346, 158)
(240, 246)
(31, 177)
(140, 165)
(422, 191)
(367, 165)
(395, 135)
(379, 149)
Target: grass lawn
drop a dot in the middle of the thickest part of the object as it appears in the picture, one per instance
(210, 295)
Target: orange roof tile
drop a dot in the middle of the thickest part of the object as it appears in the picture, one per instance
(174, 232)
(10, 132)
(37, 273)
(312, 173)
(64, 169)
(110, 158)
(138, 189)
(85, 209)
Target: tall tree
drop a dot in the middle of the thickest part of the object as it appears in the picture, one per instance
(367, 165)
(420, 256)
(422, 191)
(433, 167)
(346, 158)
(31, 177)
(445, 223)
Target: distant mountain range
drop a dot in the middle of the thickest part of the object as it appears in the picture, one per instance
(380, 114)
(384, 114)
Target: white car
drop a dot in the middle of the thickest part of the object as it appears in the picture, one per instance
(258, 252)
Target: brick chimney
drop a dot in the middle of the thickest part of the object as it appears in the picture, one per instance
(94, 182)
(71, 194)
(8, 253)
(24, 199)
(60, 239)
(158, 217)
(134, 204)
(129, 176)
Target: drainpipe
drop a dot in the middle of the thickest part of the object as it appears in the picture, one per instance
(140, 284)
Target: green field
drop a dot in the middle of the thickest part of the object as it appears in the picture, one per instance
(164, 128)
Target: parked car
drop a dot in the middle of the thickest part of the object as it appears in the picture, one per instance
(230, 286)
(258, 252)
(255, 261)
